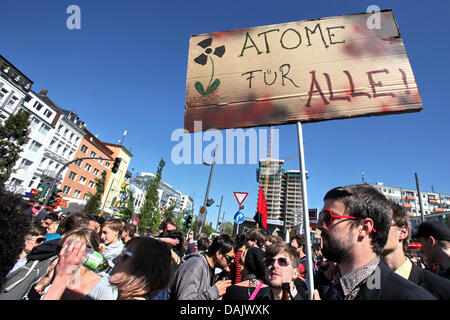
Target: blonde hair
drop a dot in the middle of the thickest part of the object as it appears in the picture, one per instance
(90, 237)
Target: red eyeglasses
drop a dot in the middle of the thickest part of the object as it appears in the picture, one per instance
(326, 217)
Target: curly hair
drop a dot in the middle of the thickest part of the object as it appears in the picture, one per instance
(14, 225)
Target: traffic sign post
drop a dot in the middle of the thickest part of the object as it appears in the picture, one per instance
(240, 197)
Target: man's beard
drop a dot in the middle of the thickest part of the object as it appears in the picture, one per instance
(334, 250)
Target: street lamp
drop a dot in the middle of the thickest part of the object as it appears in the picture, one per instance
(205, 202)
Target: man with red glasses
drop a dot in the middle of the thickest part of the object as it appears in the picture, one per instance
(354, 224)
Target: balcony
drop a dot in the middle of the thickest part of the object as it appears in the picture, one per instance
(409, 197)
(438, 210)
(432, 200)
(407, 205)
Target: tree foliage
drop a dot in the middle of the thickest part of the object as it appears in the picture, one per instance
(13, 135)
(94, 201)
(127, 211)
(150, 216)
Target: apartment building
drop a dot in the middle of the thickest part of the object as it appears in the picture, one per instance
(436, 206)
(29, 166)
(14, 88)
(81, 175)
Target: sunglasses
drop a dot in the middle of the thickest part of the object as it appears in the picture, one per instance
(229, 259)
(124, 254)
(282, 262)
(326, 217)
(38, 240)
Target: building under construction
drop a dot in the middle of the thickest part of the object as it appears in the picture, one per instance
(283, 192)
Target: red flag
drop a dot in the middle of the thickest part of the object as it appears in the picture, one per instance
(261, 213)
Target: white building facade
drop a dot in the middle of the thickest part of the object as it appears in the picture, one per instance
(43, 117)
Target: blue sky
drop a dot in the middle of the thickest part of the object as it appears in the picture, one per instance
(126, 70)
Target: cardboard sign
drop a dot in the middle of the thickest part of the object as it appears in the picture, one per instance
(314, 70)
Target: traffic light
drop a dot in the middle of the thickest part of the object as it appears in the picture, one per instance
(209, 202)
(184, 217)
(116, 165)
(54, 197)
(189, 221)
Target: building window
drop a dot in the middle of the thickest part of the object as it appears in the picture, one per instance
(91, 184)
(93, 154)
(50, 163)
(16, 182)
(33, 180)
(84, 148)
(76, 193)
(25, 164)
(3, 93)
(12, 101)
(72, 175)
(64, 151)
(82, 180)
(107, 165)
(58, 147)
(87, 167)
(86, 196)
(42, 162)
(48, 113)
(35, 146)
(60, 128)
(44, 129)
(34, 123)
(37, 106)
(66, 190)
(95, 172)
(78, 163)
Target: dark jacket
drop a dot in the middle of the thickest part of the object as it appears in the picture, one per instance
(19, 282)
(194, 280)
(436, 285)
(266, 294)
(393, 287)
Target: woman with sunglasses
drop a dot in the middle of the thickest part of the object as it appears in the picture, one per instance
(143, 270)
(250, 287)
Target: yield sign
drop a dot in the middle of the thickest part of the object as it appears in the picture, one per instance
(240, 196)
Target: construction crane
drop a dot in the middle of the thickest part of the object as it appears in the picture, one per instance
(269, 154)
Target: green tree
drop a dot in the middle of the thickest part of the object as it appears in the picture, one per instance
(168, 213)
(227, 228)
(13, 135)
(127, 211)
(150, 214)
(94, 201)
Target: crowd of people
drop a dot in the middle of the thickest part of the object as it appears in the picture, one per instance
(364, 256)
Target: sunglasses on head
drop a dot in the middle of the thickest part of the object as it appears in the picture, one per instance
(326, 217)
(282, 262)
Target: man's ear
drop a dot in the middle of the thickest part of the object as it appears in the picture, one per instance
(295, 274)
(404, 231)
(432, 240)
